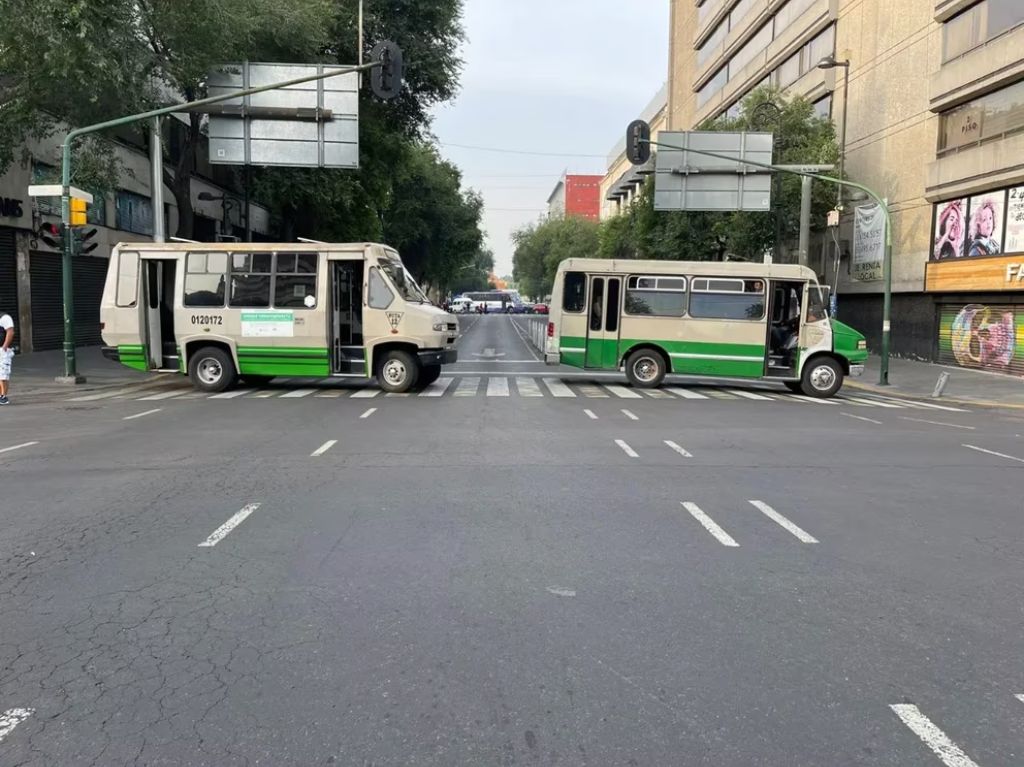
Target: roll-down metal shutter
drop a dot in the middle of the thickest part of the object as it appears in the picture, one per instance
(9, 278)
(48, 299)
(982, 336)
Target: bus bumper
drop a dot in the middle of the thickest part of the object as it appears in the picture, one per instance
(857, 370)
(552, 359)
(438, 357)
(111, 353)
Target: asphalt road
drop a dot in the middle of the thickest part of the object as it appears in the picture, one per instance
(542, 571)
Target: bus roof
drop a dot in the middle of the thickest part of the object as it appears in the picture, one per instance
(701, 268)
(250, 247)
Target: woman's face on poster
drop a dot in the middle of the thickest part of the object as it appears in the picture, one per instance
(986, 222)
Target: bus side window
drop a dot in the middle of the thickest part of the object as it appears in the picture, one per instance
(574, 291)
(127, 278)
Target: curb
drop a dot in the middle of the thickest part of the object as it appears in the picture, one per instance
(926, 398)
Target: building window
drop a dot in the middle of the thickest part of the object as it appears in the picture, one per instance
(713, 42)
(991, 116)
(755, 45)
(134, 213)
(979, 24)
(44, 173)
(739, 13)
(790, 14)
(713, 86)
(707, 9)
(823, 107)
(820, 47)
(204, 279)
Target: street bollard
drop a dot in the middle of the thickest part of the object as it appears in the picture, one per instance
(940, 385)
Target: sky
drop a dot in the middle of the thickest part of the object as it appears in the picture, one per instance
(563, 77)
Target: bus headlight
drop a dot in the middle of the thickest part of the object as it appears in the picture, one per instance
(440, 327)
(862, 345)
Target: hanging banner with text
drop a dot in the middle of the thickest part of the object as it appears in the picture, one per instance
(868, 243)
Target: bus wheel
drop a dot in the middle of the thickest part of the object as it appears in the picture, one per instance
(645, 368)
(211, 369)
(398, 371)
(429, 374)
(821, 378)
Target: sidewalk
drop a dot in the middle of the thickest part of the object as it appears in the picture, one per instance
(33, 374)
(909, 378)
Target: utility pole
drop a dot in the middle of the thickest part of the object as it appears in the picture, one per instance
(805, 219)
(156, 181)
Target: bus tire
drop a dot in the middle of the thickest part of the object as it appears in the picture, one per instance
(211, 369)
(429, 374)
(822, 377)
(398, 371)
(646, 368)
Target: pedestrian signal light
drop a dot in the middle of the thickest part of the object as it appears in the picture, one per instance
(50, 234)
(638, 142)
(86, 241)
(79, 216)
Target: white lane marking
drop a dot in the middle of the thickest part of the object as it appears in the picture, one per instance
(397, 394)
(366, 394)
(526, 343)
(369, 412)
(323, 448)
(782, 522)
(656, 393)
(163, 395)
(438, 388)
(815, 400)
(861, 418)
(925, 405)
(497, 387)
(137, 389)
(233, 394)
(680, 391)
(333, 393)
(590, 414)
(629, 415)
(265, 394)
(678, 449)
(11, 718)
(18, 447)
(993, 452)
(622, 391)
(709, 524)
(593, 391)
(296, 393)
(561, 591)
(140, 415)
(467, 387)
(557, 388)
(528, 387)
(923, 727)
(937, 423)
(747, 394)
(627, 449)
(1020, 697)
(871, 402)
(238, 518)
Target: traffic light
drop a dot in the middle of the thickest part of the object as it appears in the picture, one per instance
(79, 216)
(51, 235)
(386, 78)
(83, 241)
(638, 142)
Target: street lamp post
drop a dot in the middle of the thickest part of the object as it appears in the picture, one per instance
(777, 142)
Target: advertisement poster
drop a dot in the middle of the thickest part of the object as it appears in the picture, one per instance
(983, 337)
(951, 229)
(985, 233)
(268, 324)
(868, 243)
(1015, 221)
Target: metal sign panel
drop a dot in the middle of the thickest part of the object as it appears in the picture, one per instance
(314, 124)
(689, 181)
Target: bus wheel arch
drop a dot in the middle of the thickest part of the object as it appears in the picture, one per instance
(396, 366)
(822, 375)
(646, 366)
(211, 365)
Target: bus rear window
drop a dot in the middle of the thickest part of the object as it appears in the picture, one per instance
(574, 292)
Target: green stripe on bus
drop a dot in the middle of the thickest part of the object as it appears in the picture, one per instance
(697, 357)
(280, 367)
(133, 356)
(283, 351)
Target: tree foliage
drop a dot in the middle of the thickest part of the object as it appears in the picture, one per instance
(541, 247)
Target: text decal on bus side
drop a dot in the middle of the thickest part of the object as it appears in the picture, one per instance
(395, 318)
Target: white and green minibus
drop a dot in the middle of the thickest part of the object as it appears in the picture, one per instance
(730, 319)
(253, 311)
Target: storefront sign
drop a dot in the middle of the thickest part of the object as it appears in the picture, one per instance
(964, 128)
(868, 243)
(975, 274)
(981, 336)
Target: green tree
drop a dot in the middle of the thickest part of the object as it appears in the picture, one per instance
(475, 275)
(541, 247)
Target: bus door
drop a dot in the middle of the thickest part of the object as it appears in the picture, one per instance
(348, 352)
(784, 314)
(603, 323)
(158, 287)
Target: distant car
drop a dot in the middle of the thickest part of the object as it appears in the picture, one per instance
(540, 308)
(462, 306)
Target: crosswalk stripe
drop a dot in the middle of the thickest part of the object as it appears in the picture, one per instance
(685, 393)
(297, 393)
(718, 393)
(747, 394)
(366, 394)
(397, 394)
(528, 387)
(656, 393)
(438, 388)
(923, 405)
(811, 400)
(621, 391)
(869, 402)
(332, 393)
(264, 394)
(593, 391)
(497, 387)
(163, 395)
(232, 394)
(557, 388)
(467, 387)
(116, 393)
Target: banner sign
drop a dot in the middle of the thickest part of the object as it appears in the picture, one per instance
(868, 243)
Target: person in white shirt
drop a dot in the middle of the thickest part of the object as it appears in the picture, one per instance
(6, 355)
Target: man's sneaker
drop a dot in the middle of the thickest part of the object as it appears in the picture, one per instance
(4, 401)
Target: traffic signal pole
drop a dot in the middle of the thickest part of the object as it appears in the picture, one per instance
(71, 375)
(883, 378)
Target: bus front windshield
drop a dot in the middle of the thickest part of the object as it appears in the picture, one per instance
(402, 280)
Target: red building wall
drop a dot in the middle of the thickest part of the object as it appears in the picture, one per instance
(583, 196)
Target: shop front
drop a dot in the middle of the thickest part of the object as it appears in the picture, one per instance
(976, 276)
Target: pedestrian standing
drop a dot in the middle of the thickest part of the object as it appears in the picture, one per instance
(6, 355)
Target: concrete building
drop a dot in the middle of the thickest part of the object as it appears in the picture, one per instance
(31, 271)
(936, 108)
(576, 196)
